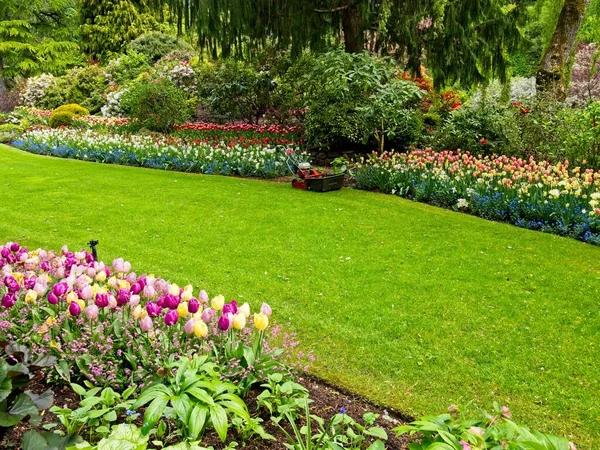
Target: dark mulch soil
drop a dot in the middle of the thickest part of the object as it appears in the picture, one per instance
(327, 401)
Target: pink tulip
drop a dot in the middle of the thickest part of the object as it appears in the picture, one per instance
(15, 247)
(131, 278)
(118, 265)
(40, 289)
(189, 326)
(134, 300)
(86, 293)
(207, 315)
(203, 298)
(149, 291)
(146, 323)
(91, 312)
(266, 310)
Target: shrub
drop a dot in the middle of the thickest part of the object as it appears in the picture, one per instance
(585, 78)
(87, 87)
(74, 109)
(56, 94)
(36, 88)
(126, 67)
(8, 131)
(155, 104)
(155, 45)
(113, 107)
(61, 118)
(482, 129)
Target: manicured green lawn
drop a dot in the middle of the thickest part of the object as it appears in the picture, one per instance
(413, 306)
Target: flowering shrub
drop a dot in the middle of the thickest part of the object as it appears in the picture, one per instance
(528, 193)
(113, 106)
(585, 78)
(36, 88)
(245, 157)
(114, 327)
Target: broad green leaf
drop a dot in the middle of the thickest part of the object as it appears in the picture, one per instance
(156, 409)
(218, 417)
(197, 421)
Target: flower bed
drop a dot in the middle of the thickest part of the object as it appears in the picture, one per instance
(528, 193)
(265, 134)
(221, 157)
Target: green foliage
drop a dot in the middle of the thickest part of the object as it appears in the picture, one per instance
(483, 129)
(56, 94)
(353, 98)
(87, 86)
(61, 119)
(9, 131)
(72, 108)
(155, 104)
(17, 403)
(32, 440)
(23, 54)
(109, 25)
(281, 396)
(97, 410)
(341, 432)
(155, 45)
(494, 430)
(195, 397)
(126, 68)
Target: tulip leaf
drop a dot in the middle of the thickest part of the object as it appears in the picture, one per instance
(218, 417)
(249, 356)
(197, 421)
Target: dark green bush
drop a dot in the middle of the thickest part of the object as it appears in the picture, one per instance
(155, 104)
(57, 93)
(87, 87)
(155, 45)
(482, 129)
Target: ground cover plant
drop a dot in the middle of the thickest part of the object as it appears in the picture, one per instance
(512, 313)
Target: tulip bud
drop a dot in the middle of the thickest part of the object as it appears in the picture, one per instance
(101, 300)
(74, 309)
(8, 300)
(123, 297)
(136, 288)
(134, 300)
(189, 326)
(146, 323)
(261, 321)
(217, 303)
(174, 289)
(203, 298)
(149, 291)
(153, 309)
(139, 312)
(239, 321)
(91, 312)
(208, 314)
(245, 310)
(72, 296)
(266, 310)
(60, 289)
(86, 292)
(200, 329)
(230, 307)
(101, 276)
(193, 306)
(225, 321)
(15, 247)
(171, 318)
(30, 297)
(182, 309)
(52, 299)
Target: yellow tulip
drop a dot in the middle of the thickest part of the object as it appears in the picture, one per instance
(174, 289)
(186, 296)
(101, 276)
(18, 277)
(239, 321)
(112, 282)
(217, 303)
(124, 284)
(200, 329)
(139, 312)
(81, 303)
(71, 297)
(261, 321)
(30, 297)
(182, 309)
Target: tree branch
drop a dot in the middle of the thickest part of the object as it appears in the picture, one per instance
(328, 11)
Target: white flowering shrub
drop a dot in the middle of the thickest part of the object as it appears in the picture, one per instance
(520, 88)
(113, 107)
(35, 89)
(183, 77)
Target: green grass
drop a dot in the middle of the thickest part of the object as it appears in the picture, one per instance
(412, 306)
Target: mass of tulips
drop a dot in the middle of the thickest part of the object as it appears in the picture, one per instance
(115, 326)
(255, 157)
(538, 195)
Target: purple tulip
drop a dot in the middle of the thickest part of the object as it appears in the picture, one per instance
(136, 288)
(8, 300)
(173, 301)
(11, 284)
(207, 315)
(225, 321)
(123, 297)
(142, 281)
(193, 306)
(153, 309)
(101, 300)
(45, 266)
(230, 307)
(5, 252)
(171, 318)
(162, 302)
(89, 257)
(29, 282)
(74, 309)
(60, 289)
(15, 247)
(52, 298)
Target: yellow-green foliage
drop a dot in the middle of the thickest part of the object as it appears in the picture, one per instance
(72, 108)
(61, 118)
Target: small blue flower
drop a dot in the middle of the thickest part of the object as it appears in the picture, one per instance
(343, 410)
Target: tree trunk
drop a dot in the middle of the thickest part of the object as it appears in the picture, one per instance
(352, 26)
(550, 77)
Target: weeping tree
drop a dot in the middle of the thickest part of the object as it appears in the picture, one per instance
(460, 41)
